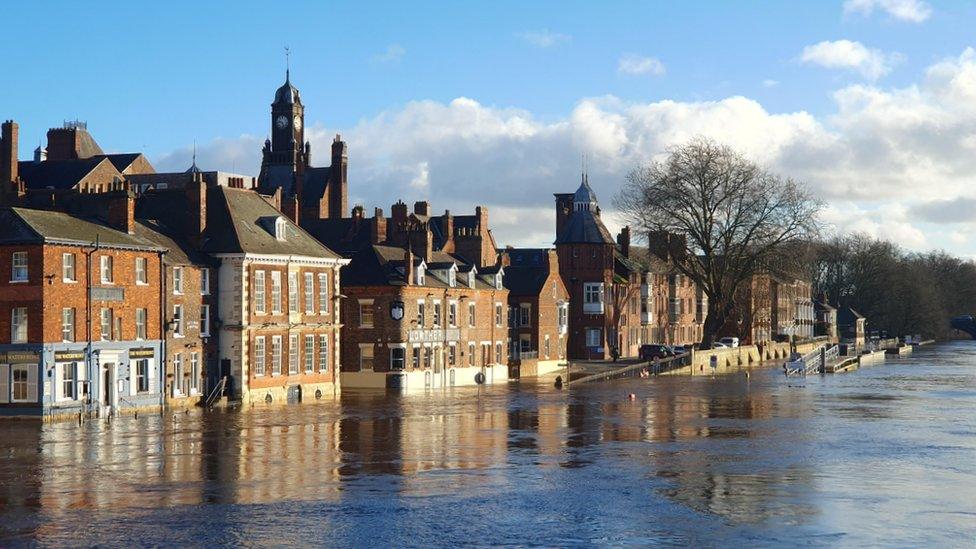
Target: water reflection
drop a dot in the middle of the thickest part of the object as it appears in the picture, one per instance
(716, 453)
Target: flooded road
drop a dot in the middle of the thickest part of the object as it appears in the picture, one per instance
(883, 455)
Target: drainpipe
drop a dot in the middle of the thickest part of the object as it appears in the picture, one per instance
(162, 333)
(89, 364)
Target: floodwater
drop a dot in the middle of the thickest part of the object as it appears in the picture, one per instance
(885, 455)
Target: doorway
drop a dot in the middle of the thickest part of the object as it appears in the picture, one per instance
(108, 384)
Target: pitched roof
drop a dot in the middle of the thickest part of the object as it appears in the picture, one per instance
(241, 221)
(342, 235)
(41, 226)
(649, 261)
(180, 252)
(847, 314)
(584, 227)
(57, 174)
(121, 161)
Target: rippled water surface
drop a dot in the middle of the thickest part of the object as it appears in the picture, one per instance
(883, 455)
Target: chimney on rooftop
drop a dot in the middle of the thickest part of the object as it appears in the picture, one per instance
(196, 197)
(421, 207)
(8, 157)
(122, 209)
(623, 240)
(378, 235)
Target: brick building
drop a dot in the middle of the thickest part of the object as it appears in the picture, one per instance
(72, 161)
(602, 281)
(189, 304)
(277, 299)
(425, 304)
(80, 325)
(539, 311)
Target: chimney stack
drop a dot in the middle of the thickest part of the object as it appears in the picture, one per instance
(8, 156)
(379, 226)
(290, 207)
(623, 240)
(196, 197)
(421, 208)
(122, 210)
(408, 265)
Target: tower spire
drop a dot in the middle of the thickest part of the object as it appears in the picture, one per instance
(287, 64)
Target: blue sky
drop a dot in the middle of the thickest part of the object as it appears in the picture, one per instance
(541, 82)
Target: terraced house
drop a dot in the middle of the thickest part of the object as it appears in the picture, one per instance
(80, 323)
(425, 304)
(539, 311)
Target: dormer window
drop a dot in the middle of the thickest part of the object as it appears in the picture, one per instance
(498, 280)
(451, 278)
(421, 271)
(280, 228)
(471, 278)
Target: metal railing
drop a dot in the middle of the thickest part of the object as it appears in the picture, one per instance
(641, 369)
(813, 362)
(217, 392)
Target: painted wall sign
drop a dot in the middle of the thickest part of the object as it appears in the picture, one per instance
(142, 352)
(107, 294)
(20, 357)
(69, 356)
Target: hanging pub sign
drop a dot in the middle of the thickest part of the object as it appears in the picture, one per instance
(396, 310)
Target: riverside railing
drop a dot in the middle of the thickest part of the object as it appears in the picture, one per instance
(641, 369)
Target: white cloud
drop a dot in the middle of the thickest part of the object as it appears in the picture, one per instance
(770, 83)
(422, 179)
(636, 64)
(914, 11)
(544, 38)
(849, 55)
(393, 54)
(880, 155)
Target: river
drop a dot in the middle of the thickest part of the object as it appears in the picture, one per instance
(885, 455)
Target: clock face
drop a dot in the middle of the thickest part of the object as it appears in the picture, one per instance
(298, 123)
(281, 122)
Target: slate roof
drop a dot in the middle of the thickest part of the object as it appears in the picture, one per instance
(57, 174)
(525, 280)
(315, 182)
(584, 227)
(22, 225)
(238, 222)
(121, 161)
(379, 265)
(341, 235)
(648, 261)
(287, 93)
(848, 315)
(180, 251)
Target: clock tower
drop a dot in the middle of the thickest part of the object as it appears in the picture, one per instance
(286, 163)
(285, 155)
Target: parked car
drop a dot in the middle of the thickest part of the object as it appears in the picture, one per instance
(732, 342)
(719, 345)
(652, 351)
(680, 349)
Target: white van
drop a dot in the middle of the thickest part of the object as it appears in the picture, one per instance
(729, 341)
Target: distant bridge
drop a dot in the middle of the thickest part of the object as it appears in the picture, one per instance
(965, 323)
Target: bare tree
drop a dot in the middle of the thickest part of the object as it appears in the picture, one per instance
(736, 217)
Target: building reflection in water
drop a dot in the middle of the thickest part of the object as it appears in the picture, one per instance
(706, 445)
